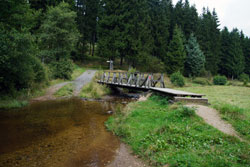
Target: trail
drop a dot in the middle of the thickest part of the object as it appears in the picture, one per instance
(212, 117)
(79, 82)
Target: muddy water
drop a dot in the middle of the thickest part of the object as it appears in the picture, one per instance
(68, 133)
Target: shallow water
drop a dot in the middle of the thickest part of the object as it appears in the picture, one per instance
(58, 133)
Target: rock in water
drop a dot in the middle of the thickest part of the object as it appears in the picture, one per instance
(110, 112)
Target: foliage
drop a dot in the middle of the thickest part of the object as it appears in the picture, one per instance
(220, 80)
(176, 137)
(19, 68)
(177, 79)
(201, 81)
(66, 90)
(176, 55)
(208, 35)
(244, 78)
(61, 69)
(195, 60)
(12, 103)
(232, 58)
(58, 39)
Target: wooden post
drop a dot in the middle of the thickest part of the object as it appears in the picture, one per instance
(162, 85)
(113, 79)
(107, 80)
(138, 81)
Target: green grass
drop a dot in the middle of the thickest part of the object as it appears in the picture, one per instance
(12, 103)
(94, 90)
(233, 103)
(65, 91)
(78, 70)
(174, 135)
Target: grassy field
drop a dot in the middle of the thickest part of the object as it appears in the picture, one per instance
(174, 135)
(233, 103)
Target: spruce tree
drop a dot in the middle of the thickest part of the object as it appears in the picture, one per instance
(160, 26)
(232, 59)
(208, 35)
(176, 55)
(247, 55)
(195, 60)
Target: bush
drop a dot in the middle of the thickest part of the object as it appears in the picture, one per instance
(201, 81)
(220, 80)
(177, 79)
(244, 78)
(62, 69)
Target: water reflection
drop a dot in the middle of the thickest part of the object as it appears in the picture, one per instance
(57, 133)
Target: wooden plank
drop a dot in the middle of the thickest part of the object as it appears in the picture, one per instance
(191, 100)
(176, 92)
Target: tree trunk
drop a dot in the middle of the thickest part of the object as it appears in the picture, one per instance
(121, 61)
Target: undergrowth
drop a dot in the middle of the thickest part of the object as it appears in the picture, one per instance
(66, 90)
(175, 136)
(94, 90)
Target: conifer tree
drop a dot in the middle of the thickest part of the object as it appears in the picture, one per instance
(160, 26)
(176, 55)
(232, 59)
(208, 35)
(195, 60)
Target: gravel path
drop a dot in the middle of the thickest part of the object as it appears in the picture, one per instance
(124, 158)
(83, 79)
(212, 117)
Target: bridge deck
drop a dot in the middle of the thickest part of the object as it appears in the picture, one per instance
(167, 91)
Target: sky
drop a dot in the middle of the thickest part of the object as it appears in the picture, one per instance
(231, 13)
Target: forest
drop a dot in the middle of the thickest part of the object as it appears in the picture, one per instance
(41, 39)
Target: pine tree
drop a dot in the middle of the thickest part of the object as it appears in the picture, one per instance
(208, 35)
(232, 59)
(176, 55)
(247, 56)
(195, 60)
(160, 26)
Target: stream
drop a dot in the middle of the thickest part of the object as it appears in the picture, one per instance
(65, 133)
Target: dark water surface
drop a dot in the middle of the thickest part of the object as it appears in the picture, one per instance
(58, 133)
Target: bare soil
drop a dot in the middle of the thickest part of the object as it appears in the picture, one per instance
(125, 158)
(212, 117)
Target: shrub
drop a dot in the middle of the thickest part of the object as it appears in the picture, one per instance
(244, 78)
(220, 80)
(186, 111)
(177, 79)
(62, 69)
(201, 81)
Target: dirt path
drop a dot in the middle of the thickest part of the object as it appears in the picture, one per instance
(125, 158)
(212, 117)
(78, 83)
(82, 80)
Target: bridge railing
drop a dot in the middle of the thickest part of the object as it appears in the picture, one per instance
(142, 80)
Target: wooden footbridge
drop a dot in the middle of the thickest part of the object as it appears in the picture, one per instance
(148, 82)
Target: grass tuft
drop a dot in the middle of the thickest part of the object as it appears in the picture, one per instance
(65, 91)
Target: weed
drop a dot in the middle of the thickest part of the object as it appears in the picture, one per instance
(66, 90)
